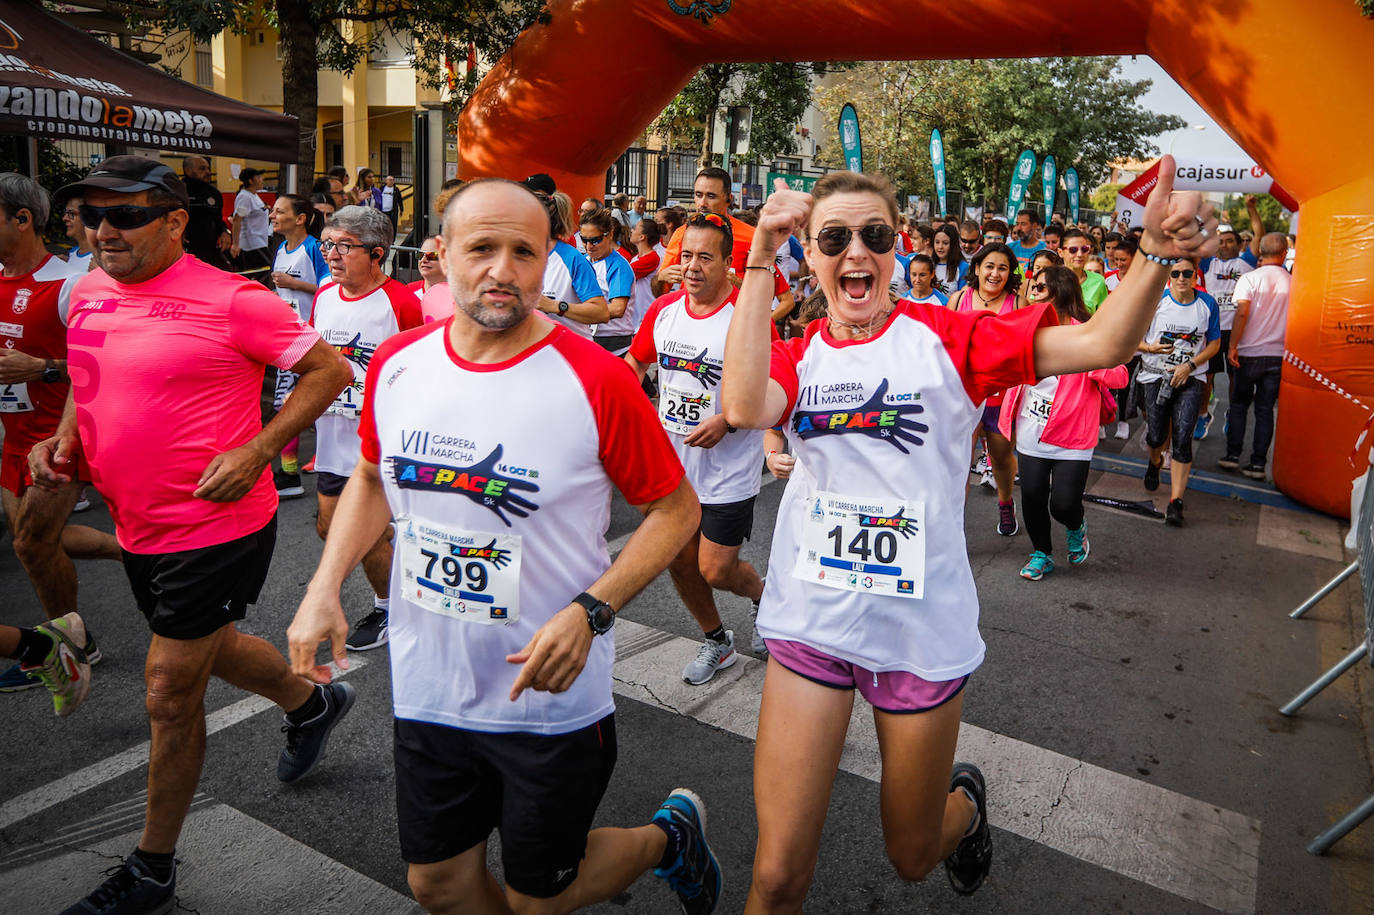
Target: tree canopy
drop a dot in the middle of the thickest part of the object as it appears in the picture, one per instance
(1078, 109)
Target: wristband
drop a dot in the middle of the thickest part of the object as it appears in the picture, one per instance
(770, 453)
(1156, 259)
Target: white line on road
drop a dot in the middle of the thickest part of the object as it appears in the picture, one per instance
(39, 799)
(1181, 845)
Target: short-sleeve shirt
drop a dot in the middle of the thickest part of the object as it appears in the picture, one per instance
(1024, 254)
(1266, 289)
(355, 327)
(889, 419)
(1188, 326)
(689, 350)
(33, 321)
(531, 450)
(1095, 290)
(645, 268)
(615, 279)
(569, 277)
(436, 303)
(304, 262)
(1220, 277)
(743, 235)
(936, 297)
(254, 230)
(166, 375)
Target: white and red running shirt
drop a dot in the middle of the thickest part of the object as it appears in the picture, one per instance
(569, 277)
(499, 479)
(868, 560)
(355, 327)
(690, 351)
(166, 375)
(33, 321)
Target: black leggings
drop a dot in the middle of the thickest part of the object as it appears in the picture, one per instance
(1041, 499)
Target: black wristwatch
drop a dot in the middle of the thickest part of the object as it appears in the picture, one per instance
(562, 308)
(51, 373)
(600, 616)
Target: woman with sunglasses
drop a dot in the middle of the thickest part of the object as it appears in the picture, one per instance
(1039, 261)
(993, 289)
(1054, 424)
(613, 274)
(1184, 335)
(951, 269)
(869, 584)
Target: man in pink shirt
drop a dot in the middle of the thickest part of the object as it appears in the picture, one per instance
(166, 356)
(1256, 350)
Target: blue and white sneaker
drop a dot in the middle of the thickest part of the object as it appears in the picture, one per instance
(695, 874)
(1204, 423)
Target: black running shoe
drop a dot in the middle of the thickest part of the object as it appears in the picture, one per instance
(1174, 513)
(129, 890)
(288, 485)
(305, 743)
(695, 874)
(1229, 462)
(1151, 476)
(369, 632)
(969, 865)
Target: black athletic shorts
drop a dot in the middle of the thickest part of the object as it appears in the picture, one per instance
(454, 786)
(1218, 365)
(728, 523)
(329, 484)
(193, 593)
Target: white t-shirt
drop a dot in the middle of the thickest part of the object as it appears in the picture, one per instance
(1030, 424)
(1188, 327)
(1221, 277)
(1266, 289)
(615, 279)
(569, 277)
(507, 487)
(304, 262)
(689, 350)
(254, 230)
(868, 559)
(79, 264)
(355, 327)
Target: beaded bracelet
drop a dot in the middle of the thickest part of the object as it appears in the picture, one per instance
(1156, 259)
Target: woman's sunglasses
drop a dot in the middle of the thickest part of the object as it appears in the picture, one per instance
(877, 237)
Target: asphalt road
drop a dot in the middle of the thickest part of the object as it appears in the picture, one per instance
(1149, 677)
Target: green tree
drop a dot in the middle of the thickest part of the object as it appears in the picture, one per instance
(1104, 198)
(778, 93)
(1078, 109)
(1272, 213)
(335, 35)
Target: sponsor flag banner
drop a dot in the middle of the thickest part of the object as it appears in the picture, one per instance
(850, 140)
(58, 82)
(1020, 180)
(1049, 185)
(1232, 176)
(1071, 185)
(937, 162)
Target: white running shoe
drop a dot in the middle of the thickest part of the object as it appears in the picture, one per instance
(1123, 431)
(711, 657)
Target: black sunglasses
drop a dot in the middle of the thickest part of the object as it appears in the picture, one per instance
(1179, 274)
(1039, 287)
(122, 217)
(591, 241)
(877, 237)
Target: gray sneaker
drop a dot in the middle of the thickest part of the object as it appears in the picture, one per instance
(756, 643)
(711, 657)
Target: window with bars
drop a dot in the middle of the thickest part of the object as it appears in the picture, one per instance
(398, 160)
(205, 68)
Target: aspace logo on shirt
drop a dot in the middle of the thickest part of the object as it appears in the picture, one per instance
(705, 373)
(480, 482)
(880, 416)
(898, 522)
(356, 351)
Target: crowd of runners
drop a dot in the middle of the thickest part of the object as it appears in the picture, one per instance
(675, 357)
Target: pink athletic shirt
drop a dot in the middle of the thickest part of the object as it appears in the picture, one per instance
(166, 375)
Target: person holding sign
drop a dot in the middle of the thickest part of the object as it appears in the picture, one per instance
(355, 312)
(869, 583)
(684, 334)
(1184, 335)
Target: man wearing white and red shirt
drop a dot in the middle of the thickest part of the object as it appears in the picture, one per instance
(356, 313)
(684, 335)
(34, 296)
(168, 355)
(1256, 352)
(501, 669)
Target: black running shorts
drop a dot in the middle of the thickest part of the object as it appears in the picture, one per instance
(728, 523)
(453, 787)
(193, 593)
(329, 484)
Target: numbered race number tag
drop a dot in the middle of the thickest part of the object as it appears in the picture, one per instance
(349, 403)
(468, 575)
(1038, 406)
(1185, 345)
(14, 398)
(682, 410)
(872, 546)
(1225, 301)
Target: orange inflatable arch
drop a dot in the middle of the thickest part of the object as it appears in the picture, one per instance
(572, 94)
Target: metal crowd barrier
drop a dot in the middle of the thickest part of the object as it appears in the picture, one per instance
(1364, 563)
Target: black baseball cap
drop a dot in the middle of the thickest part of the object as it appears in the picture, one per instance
(541, 184)
(129, 175)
